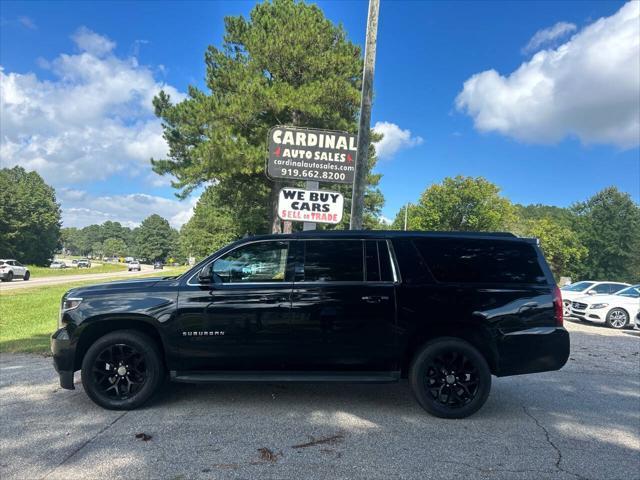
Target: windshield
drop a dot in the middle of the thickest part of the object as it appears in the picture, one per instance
(633, 292)
(577, 287)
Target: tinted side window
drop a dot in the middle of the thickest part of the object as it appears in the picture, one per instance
(377, 261)
(602, 288)
(413, 270)
(372, 261)
(333, 261)
(480, 261)
(256, 262)
(614, 287)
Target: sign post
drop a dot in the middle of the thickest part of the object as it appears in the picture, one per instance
(310, 185)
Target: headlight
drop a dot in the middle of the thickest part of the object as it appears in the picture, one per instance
(66, 305)
(599, 305)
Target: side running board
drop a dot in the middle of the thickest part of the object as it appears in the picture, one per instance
(282, 376)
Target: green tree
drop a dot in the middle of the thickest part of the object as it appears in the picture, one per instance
(155, 239)
(29, 217)
(561, 245)
(89, 237)
(113, 247)
(212, 226)
(285, 64)
(97, 249)
(460, 204)
(609, 224)
(71, 240)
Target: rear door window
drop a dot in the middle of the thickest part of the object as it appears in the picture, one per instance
(472, 260)
(333, 261)
(602, 288)
(377, 261)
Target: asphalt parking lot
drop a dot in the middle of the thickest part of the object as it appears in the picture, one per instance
(582, 422)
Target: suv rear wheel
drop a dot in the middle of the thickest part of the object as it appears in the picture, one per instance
(450, 378)
(122, 370)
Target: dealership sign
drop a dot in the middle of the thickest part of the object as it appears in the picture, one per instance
(310, 205)
(309, 154)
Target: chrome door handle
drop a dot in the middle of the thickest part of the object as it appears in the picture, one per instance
(375, 298)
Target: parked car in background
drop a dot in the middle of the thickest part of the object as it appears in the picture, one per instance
(84, 263)
(58, 264)
(616, 311)
(158, 266)
(638, 320)
(74, 262)
(580, 289)
(10, 269)
(134, 266)
(128, 259)
(445, 310)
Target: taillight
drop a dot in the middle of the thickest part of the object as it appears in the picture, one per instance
(557, 304)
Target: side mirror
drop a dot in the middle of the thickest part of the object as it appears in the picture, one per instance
(591, 292)
(205, 275)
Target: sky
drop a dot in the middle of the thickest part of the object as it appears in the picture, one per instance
(541, 98)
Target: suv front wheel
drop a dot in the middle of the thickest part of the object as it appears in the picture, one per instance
(122, 370)
(450, 378)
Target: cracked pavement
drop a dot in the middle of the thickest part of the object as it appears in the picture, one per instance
(582, 422)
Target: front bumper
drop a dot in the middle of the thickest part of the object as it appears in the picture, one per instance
(538, 349)
(596, 315)
(63, 357)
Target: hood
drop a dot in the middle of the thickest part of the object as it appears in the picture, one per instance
(110, 286)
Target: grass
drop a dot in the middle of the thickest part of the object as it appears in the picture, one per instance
(29, 316)
(37, 272)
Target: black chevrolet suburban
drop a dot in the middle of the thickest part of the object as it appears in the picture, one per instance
(445, 310)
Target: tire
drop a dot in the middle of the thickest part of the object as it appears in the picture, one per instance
(566, 309)
(26, 277)
(10, 277)
(617, 318)
(464, 397)
(126, 389)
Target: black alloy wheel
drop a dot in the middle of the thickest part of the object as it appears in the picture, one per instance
(119, 371)
(122, 370)
(10, 277)
(450, 378)
(26, 276)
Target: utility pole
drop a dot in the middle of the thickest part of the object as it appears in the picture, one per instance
(357, 197)
(406, 212)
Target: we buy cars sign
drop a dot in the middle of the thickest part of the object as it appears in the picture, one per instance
(310, 205)
(310, 154)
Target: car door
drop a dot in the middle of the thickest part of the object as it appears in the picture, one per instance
(343, 319)
(239, 320)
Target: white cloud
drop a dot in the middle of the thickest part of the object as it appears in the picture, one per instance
(91, 42)
(393, 139)
(588, 87)
(94, 120)
(81, 208)
(27, 23)
(548, 35)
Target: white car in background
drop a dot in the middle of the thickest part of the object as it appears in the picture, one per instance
(134, 266)
(617, 310)
(576, 290)
(58, 264)
(10, 269)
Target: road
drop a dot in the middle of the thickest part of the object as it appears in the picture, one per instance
(61, 279)
(582, 422)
